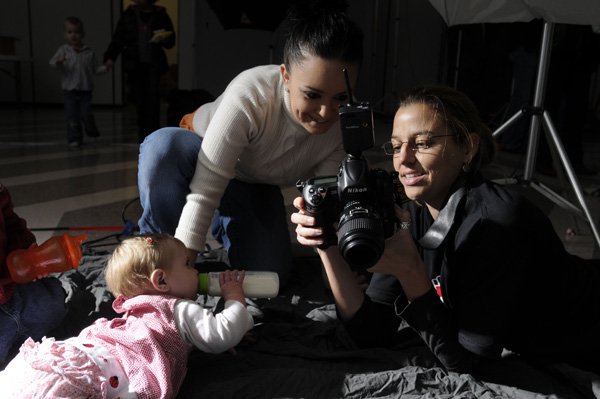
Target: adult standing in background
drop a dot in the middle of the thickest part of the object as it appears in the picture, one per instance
(142, 33)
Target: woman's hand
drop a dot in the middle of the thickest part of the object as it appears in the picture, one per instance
(400, 249)
(343, 282)
(402, 260)
(306, 233)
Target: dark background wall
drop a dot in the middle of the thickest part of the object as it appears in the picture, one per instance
(36, 26)
(403, 46)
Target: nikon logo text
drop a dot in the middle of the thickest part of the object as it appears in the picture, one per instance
(354, 190)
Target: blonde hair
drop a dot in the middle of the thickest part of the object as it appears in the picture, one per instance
(132, 262)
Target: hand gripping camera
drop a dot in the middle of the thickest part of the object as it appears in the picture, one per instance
(360, 199)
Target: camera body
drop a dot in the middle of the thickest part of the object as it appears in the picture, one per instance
(361, 200)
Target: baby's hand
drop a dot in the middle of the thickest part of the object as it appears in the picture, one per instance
(231, 282)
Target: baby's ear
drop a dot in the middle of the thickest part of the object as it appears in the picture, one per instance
(158, 279)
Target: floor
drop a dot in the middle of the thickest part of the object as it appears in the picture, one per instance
(92, 189)
(59, 189)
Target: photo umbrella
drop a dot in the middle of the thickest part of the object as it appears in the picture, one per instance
(578, 12)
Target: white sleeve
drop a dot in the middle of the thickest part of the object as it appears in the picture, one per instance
(58, 55)
(227, 135)
(209, 332)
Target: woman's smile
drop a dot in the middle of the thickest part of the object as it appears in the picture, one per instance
(412, 178)
(318, 120)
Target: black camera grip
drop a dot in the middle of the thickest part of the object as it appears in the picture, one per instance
(320, 202)
(329, 233)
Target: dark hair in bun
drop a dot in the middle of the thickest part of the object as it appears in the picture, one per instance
(322, 28)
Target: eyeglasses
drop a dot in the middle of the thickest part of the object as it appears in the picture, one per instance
(417, 144)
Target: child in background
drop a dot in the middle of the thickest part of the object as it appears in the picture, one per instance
(26, 310)
(142, 354)
(78, 65)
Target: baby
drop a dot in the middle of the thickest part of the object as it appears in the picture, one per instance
(144, 353)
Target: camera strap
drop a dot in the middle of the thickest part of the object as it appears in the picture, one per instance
(436, 234)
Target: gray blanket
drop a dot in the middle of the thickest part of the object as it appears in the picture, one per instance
(299, 350)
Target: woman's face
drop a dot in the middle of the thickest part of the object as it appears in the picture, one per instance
(428, 173)
(317, 88)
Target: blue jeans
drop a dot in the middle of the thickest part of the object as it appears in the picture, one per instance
(34, 310)
(251, 221)
(78, 109)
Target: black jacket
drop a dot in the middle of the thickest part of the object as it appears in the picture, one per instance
(134, 27)
(506, 281)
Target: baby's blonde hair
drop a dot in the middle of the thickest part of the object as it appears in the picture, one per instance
(129, 267)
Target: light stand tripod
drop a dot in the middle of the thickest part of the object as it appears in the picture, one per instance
(540, 115)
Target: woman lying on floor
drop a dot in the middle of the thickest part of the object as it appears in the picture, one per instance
(474, 268)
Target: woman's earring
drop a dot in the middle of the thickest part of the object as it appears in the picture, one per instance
(466, 166)
(287, 90)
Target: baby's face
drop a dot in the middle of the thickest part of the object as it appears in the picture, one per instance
(183, 276)
(73, 34)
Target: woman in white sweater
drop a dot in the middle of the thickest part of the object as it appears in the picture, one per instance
(271, 126)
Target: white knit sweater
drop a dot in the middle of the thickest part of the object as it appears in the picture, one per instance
(250, 134)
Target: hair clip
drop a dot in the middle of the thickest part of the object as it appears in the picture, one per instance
(149, 240)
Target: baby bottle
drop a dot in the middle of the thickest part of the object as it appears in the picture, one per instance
(257, 284)
(57, 254)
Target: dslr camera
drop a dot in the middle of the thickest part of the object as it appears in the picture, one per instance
(359, 199)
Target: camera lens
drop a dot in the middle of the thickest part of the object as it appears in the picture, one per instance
(361, 238)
